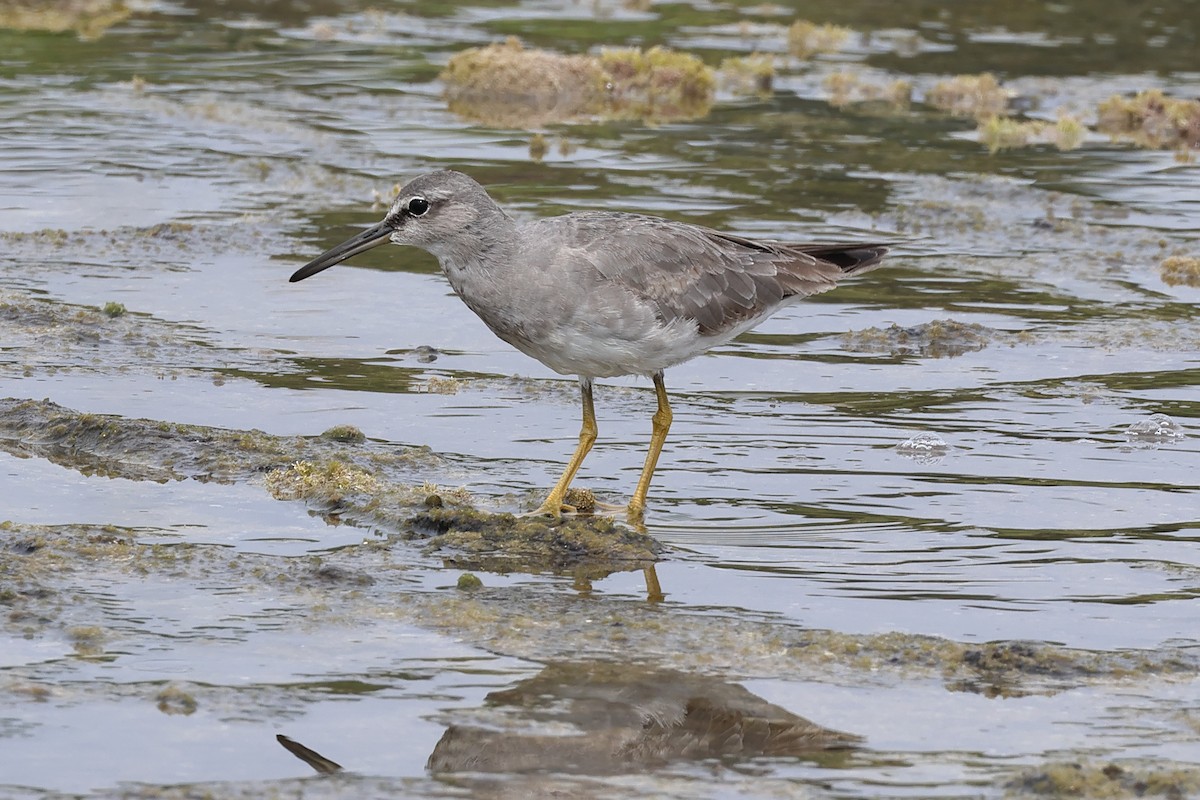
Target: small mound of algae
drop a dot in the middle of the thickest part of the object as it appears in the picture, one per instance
(328, 482)
(1006, 133)
(436, 495)
(54, 237)
(586, 546)
(1152, 120)
(88, 18)
(88, 640)
(657, 84)
(582, 500)
(509, 85)
(114, 310)
(748, 75)
(1110, 781)
(806, 39)
(980, 96)
(1180, 271)
(175, 701)
(846, 88)
(346, 434)
(937, 339)
(468, 581)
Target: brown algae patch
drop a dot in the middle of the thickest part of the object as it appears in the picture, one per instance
(531, 625)
(329, 482)
(1180, 271)
(354, 481)
(507, 84)
(1151, 119)
(588, 547)
(142, 449)
(1107, 781)
(88, 18)
(47, 336)
(937, 339)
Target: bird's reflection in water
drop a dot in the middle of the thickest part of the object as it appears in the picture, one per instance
(602, 718)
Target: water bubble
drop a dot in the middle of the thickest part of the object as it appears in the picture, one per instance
(924, 448)
(1156, 427)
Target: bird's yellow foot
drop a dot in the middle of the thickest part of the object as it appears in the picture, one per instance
(551, 510)
(572, 501)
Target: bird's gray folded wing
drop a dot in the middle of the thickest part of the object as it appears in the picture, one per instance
(714, 279)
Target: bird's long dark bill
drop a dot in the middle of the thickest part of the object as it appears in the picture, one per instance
(371, 237)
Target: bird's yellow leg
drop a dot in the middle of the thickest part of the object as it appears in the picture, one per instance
(661, 422)
(587, 437)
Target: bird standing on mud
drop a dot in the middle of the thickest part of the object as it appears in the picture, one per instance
(602, 293)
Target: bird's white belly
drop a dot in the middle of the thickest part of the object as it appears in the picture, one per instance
(604, 332)
(571, 350)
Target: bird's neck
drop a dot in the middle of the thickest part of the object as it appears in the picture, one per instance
(484, 247)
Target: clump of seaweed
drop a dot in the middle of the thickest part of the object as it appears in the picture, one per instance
(980, 96)
(175, 701)
(806, 39)
(346, 434)
(507, 84)
(1005, 133)
(658, 84)
(942, 338)
(847, 88)
(1151, 119)
(748, 75)
(329, 482)
(1180, 271)
(88, 18)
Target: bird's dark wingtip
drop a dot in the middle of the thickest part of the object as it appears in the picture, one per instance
(852, 258)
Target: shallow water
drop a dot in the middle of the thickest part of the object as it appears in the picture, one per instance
(1022, 598)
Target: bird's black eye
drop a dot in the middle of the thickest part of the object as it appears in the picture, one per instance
(418, 206)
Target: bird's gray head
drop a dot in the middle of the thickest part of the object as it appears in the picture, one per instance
(446, 213)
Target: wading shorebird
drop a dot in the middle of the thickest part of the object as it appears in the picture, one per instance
(602, 293)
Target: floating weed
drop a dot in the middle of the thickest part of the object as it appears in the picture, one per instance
(1180, 271)
(846, 88)
(511, 85)
(88, 18)
(748, 75)
(807, 39)
(1151, 119)
(980, 96)
(1005, 133)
